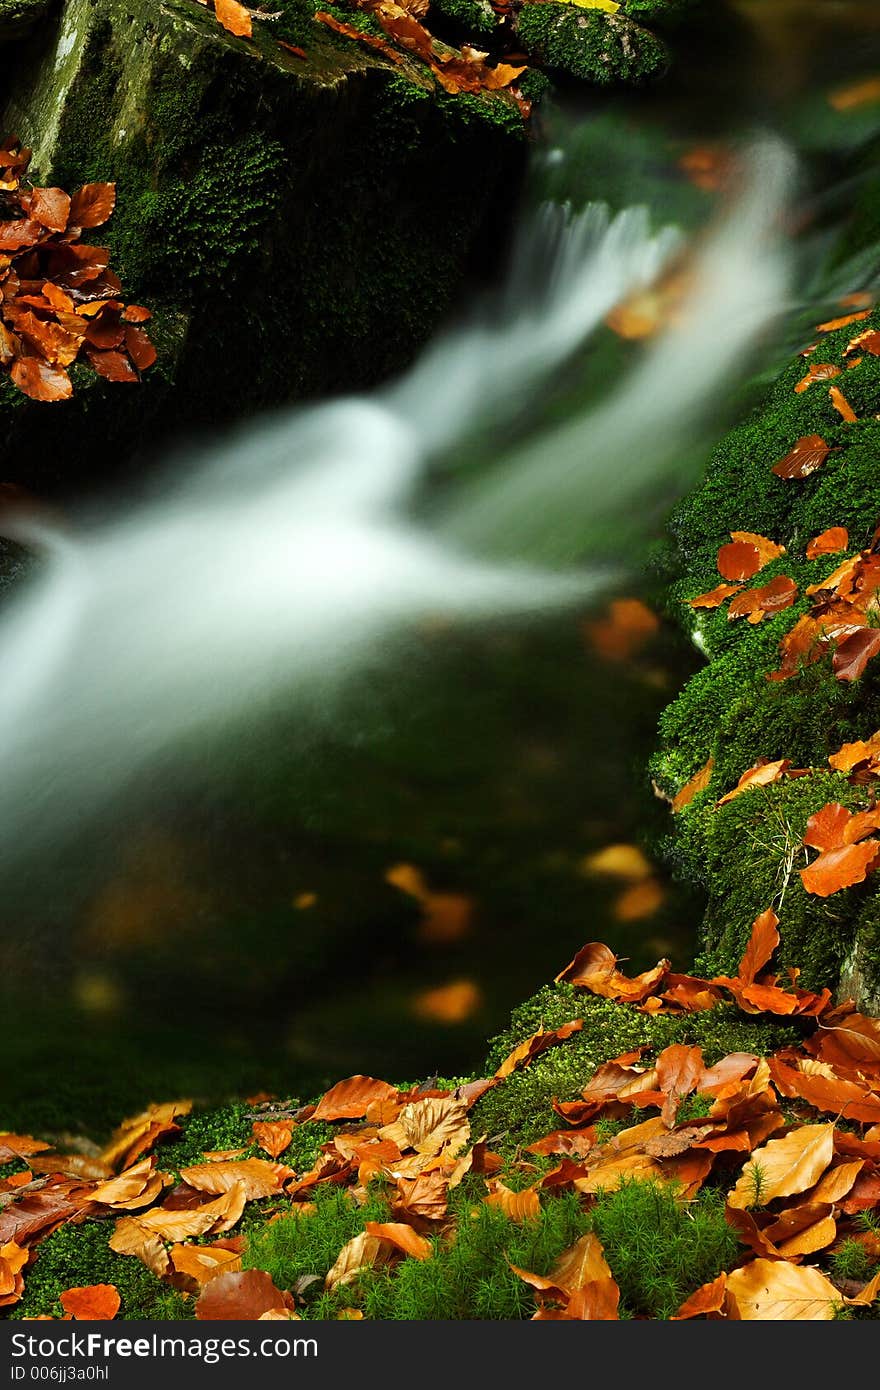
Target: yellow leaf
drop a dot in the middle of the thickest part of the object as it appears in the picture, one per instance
(785, 1166)
(775, 1291)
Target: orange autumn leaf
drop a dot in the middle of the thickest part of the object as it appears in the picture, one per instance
(714, 598)
(776, 1291)
(362, 1252)
(818, 371)
(92, 205)
(639, 901)
(833, 1095)
(257, 1177)
(92, 1303)
(805, 456)
(755, 604)
(40, 380)
(833, 324)
(401, 1236)
(273, 1136)
(537, 1043)
(854, 652)
(783, 1167)
(864, 92)
(842, 405)
(204, 1262)
(234, 17)
(517, 1206)
(698, 783)
(240, 1297)
(761, 775)
(828, 542)
(51, 207)
(852, 755)
(738, 560)
(350, 1099)
(839, 868)
(762, 943)
(705, 1301)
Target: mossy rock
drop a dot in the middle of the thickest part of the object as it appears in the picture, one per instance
(297, 225)
(747, 853)
(591, 45)
(520, 1110)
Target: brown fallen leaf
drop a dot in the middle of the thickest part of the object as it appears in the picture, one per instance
(776, 1291)
(784, 1166)
(715, 597)
(92, 1303)
(273, 1136)
(854, 653)
(241, 1297)
(705, 1301)
(828, 542)
(401, 1236)
(361, 1252)
(698, 783)
(350, 1099)
(202, 1263)
(257, 1177)
(840, 868)
(806, 455)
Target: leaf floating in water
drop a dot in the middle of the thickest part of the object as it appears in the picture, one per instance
(808, 454)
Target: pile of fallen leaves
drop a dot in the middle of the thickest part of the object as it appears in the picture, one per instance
(464, 70)
(59, 300)
(793, 1139)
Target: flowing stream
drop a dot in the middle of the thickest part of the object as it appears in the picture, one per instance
(368, 633)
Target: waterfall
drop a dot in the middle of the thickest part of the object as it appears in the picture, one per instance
(273, 563)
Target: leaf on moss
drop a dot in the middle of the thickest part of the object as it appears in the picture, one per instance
(828, 542)
(808, 454)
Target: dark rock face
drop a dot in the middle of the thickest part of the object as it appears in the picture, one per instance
(297, 225)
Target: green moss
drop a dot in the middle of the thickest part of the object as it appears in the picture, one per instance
(659, 1249)
(520, 1110)
(469, 1277)
(746, 853)
(75, 1256)
(591, 45)
(230, 1127)
(467, 17)
(662, 13)
(851, 1261)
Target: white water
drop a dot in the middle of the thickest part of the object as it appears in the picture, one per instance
(277, 562)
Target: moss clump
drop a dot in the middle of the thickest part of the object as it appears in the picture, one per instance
(466, 17)
(665, 14)
(659, 1249)
(593, 46)
(851, 1261)
(746, 854)
(520, 1109)
(469, 1277)
(75, 1256)
(230, 1127)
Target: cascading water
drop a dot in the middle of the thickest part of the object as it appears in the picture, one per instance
(274, 563)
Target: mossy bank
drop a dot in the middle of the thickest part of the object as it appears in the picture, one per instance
(747, 853)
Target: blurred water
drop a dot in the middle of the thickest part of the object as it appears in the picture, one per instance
(278, 562)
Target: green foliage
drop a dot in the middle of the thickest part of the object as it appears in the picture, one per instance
(747, 853)
(230, 1127)
(468, 17)
(591, 45)
(851, 1261)
(660, 1249)
(79, 1255)
(469, 1277)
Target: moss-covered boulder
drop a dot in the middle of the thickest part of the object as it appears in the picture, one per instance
(594, 46)
(297, 224)
(747, 853)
